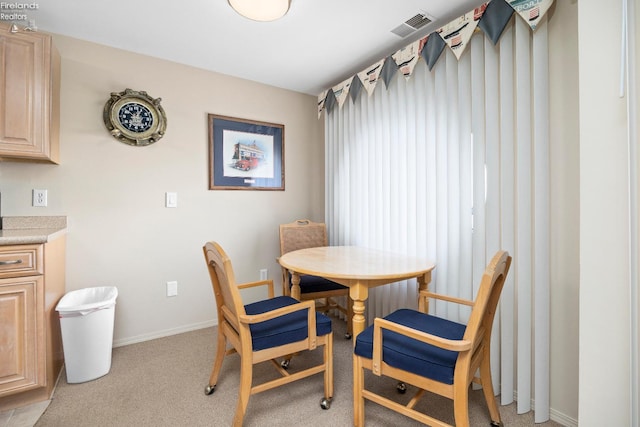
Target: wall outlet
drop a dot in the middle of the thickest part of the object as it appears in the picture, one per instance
(264, 273)
(39, 198)
(172, 289)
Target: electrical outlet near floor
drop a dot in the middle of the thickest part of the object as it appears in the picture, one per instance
(264, 273)
(172, 288)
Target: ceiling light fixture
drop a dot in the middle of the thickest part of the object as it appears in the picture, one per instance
(261, 10)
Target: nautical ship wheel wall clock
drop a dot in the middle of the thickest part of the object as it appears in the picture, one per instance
(134, 117)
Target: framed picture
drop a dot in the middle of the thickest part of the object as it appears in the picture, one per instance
(245, 154)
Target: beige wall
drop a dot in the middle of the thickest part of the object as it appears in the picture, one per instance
(120, 233)
(565, 208)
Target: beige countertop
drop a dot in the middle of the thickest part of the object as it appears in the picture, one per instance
(26, 230)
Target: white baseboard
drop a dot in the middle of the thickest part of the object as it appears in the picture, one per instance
(164, 333)
(563, 419)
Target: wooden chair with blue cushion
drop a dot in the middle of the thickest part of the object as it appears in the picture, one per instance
(263, 331)
(303, 234)
(433, 354)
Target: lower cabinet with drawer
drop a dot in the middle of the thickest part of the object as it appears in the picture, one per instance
(32, 281)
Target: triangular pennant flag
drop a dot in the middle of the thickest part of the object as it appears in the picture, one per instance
(321, 98)
(341, 91)
(432, 49)
(495, 19)
(458, 32)
(356, 88)
(531, 11)
(369, 76)
(330, 101)
(407, 57)
(389, 70)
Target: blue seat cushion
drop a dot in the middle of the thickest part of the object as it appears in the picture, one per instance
(310, 284)
(412, 355)
(285, 329)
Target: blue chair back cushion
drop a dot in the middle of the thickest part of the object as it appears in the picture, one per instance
(310, 284)
(285, 329)
(412, 355)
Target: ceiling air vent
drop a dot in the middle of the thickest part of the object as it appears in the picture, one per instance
(411, 25)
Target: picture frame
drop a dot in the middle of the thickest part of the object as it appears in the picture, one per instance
(245, 154)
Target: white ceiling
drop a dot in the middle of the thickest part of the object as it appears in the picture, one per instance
(316, 45)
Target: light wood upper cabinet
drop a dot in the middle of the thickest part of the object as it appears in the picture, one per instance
(29, 96)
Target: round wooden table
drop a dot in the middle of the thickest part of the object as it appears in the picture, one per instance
(358, 268)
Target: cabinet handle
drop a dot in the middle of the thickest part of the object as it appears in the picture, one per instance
(15, 261)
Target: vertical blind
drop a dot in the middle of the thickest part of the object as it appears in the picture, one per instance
(453, 165)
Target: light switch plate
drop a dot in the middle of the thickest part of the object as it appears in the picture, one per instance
(172, 289)
(171, 200)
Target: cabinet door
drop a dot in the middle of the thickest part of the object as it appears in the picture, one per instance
(26, 90)
(22, 350)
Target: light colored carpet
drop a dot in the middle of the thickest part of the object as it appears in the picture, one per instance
(161, 383)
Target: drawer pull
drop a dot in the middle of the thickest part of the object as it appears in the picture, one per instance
(12, 262)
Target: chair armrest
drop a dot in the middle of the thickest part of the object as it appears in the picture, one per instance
(427, 294)
(268, 283)
(379, 324)
(268, 315)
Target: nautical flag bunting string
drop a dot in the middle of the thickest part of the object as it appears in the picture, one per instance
(491, 17)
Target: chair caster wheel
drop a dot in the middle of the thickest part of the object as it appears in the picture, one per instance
(347, 336)
(402, 388)
(325, 403)
(285, 363)
(209, 389)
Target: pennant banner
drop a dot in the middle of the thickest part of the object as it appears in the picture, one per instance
(457, 33)
(369, 77)
(330, 101)
(495, 19)
(356, 88)
(432, 49)
(531, 11)
(389, 70)
(407, 57)
(341, 91)
(491, 17)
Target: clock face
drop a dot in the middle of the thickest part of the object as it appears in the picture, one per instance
(135, 117)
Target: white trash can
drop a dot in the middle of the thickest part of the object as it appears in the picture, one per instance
(86, 322)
